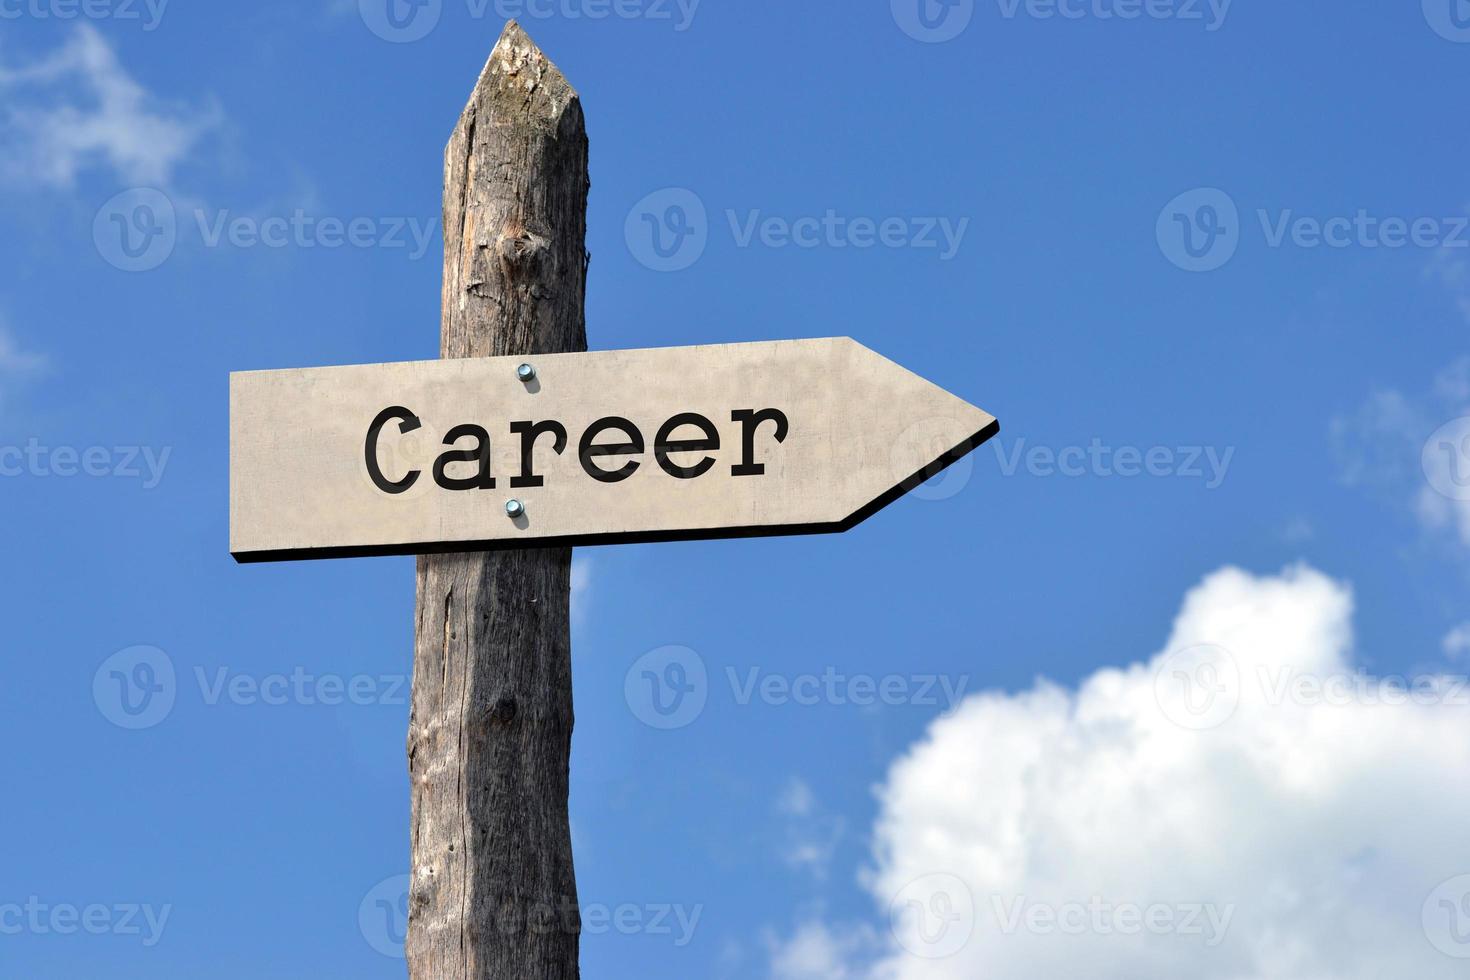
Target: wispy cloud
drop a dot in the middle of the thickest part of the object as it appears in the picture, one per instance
(16, 363)
(1414, 449)
(79, 109)
(581, 586)
(812, 834)
(1451, 269)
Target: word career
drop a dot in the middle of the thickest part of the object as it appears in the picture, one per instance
(601, 446)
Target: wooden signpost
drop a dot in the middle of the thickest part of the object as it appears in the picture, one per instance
(490, 463)
(721, 441)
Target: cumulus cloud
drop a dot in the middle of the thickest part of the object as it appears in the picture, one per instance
(1244, 805)
(79, 108)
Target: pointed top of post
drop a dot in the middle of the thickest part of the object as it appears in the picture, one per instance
(518, 78)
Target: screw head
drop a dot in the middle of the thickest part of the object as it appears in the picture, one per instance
(526, 372)
(514, 508)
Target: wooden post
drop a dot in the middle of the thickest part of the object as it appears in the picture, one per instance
(493, 894)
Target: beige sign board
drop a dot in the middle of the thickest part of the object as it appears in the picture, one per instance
(732, 440)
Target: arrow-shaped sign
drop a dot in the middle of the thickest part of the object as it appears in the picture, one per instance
(733, 440)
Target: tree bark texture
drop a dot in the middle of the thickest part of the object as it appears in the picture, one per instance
(493, 893)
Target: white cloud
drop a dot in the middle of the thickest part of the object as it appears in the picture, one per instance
(797, 800)
(814, 953)
(812, 834)
(1414, 450)
(16, 364)
(581, 585)
(1457, 642)
(1452, 271)
(13, 360)
(79, 108)
(1302, 836)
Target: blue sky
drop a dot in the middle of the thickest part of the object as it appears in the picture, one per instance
(1222, 248)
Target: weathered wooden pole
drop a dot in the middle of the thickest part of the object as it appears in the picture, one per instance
(493, 894)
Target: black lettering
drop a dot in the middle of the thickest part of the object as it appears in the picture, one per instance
(590, 453)
(664, 445)
(752, 421)
(408, 422)
(529, 433)
(481, 453)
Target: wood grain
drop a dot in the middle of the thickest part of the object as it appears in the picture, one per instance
(493, 893)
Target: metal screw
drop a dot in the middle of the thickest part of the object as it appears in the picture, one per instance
(514, 508)
(526, 373)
